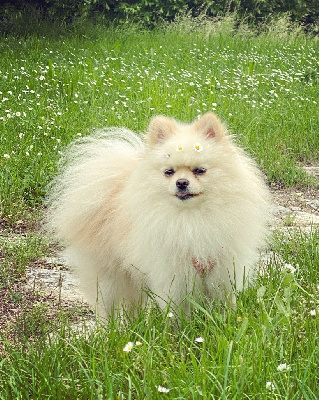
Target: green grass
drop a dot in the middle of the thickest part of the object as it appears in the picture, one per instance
(55, 87)
(241, 350)
(17, 252)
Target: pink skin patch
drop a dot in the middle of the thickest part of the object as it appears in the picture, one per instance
(202, 268)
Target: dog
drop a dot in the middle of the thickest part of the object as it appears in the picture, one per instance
(181, 211)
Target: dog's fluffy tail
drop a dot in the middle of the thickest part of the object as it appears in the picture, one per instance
(91, 170)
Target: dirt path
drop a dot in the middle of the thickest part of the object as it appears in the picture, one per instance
(296, 209)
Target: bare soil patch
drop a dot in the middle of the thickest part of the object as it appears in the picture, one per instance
(296, 208)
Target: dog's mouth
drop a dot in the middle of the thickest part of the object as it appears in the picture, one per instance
(186, 195)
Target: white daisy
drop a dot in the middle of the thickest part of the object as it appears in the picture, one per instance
(162, 389)
(283, 367)
(198, 146)
(270, 386)
(128, 347)
(290, 268)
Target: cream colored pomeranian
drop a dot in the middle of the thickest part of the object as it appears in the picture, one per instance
(182, 212)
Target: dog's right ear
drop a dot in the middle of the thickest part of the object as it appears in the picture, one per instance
(210, 126)
(160, 129)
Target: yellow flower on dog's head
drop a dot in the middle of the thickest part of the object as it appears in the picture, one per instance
(179, 148)
(198, 147)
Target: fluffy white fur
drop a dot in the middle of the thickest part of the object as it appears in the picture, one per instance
(127, 227)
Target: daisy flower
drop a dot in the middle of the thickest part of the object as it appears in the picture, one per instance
(270, 386)
(313, 313)
(128, 347)
(290, 268)
(162, 389)
(283, 367)
(198, 147)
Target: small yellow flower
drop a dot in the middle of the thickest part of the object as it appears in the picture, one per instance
(179, 148)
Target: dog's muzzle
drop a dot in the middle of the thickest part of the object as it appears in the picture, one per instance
(182, 189)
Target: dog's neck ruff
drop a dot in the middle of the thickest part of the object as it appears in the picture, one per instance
(203, 268)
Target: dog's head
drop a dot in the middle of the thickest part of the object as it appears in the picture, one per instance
(184, 155)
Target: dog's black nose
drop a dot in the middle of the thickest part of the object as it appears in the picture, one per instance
(182, 184)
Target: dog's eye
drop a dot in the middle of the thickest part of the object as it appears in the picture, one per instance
(199, 171)
(169, 172)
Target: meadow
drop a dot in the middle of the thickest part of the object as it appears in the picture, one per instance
(57, 85)
(55, 88)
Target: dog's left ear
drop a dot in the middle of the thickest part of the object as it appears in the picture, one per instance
(210, 126)
(160, 129)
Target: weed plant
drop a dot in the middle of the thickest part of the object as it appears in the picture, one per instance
(17, 251)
